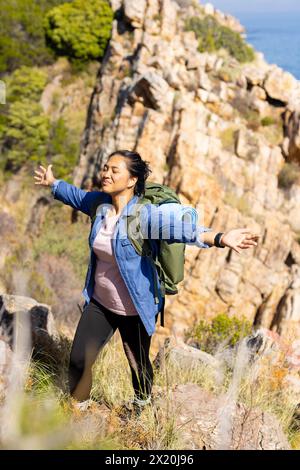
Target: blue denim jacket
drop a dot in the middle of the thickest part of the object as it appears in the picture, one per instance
(167, 221)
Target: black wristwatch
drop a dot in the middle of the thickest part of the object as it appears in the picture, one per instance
(217, 240)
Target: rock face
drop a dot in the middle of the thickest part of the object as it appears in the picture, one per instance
(196, 118)
(43, 329)
(288, 311)
(44, 342)
(199, 415)
(292, 134)
(280, 85)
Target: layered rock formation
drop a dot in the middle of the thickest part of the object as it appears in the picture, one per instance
(44, 337)
(197, 118)
(201, 418)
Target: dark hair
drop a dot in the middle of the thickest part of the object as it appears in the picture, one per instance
(136, 167)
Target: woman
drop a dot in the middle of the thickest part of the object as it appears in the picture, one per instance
(119, 290)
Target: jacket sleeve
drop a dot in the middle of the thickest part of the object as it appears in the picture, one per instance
(172, 222)
(73, 196)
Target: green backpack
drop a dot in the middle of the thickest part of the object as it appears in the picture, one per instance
(169, 259)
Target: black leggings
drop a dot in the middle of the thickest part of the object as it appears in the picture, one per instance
(95, 328)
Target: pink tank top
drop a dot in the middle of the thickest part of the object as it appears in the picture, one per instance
(110, 290)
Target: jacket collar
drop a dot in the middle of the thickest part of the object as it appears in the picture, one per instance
(127, 210)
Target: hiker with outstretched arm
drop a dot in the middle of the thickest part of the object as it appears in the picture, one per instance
(124, 290)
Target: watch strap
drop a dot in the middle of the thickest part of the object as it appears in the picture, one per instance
(217, 240)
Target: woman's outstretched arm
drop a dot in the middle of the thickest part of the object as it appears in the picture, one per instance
(175, 223)
(238, 239)
(67, 193)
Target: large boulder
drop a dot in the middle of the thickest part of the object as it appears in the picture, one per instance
(255, 75)
(287, 318)
(169, 17)
(280, 85)
(209, 422)
(44, 335)
(183, 355)
(152, 90)
(246, 144)
(134, 12)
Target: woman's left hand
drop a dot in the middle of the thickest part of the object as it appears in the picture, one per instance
(239, 239)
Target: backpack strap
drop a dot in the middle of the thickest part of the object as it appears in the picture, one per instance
(144, 248)
(93, 209)
(161, 275)
(162, 312)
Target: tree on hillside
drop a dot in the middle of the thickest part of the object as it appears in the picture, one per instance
(79, 30)
(22, 37)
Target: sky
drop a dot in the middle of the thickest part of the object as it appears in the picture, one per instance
(233, 6)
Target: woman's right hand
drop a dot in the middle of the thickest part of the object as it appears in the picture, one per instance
(45, 177)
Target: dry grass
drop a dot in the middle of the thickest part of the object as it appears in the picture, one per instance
(48, 420)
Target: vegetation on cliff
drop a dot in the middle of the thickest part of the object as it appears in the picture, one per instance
(22, 36)
(208, 336)
(79, 30)
(35, 34)
(24, 126)
(213, 36)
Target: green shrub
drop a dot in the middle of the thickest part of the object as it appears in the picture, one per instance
(209, 335)
(79, 30)
(289, 174)
(212, 36)
(3, 124)
(22, 37)
(26, 134)
(268, 121)
(63, 148)
(24, 128)
(26, 83)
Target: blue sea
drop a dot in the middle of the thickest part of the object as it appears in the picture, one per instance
(276, 35)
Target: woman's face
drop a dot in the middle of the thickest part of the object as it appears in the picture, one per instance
(115, 176)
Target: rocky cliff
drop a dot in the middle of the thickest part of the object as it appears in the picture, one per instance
(217, 131)
(220, 132)
(226, 136)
